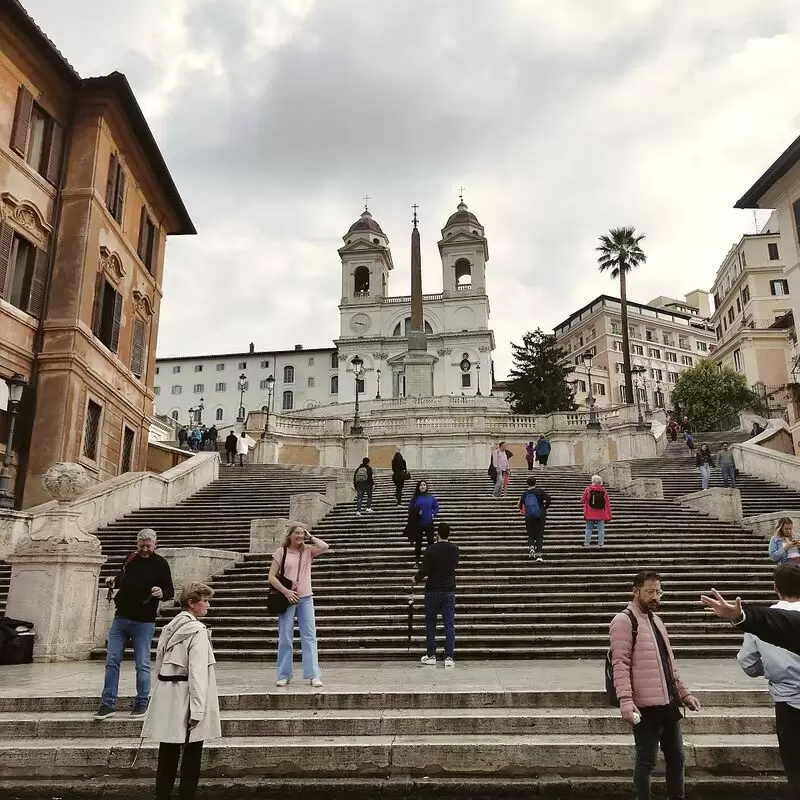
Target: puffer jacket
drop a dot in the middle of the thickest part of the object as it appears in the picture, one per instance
(639, 675)
(595, 514)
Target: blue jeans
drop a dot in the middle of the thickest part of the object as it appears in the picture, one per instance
(444, 603)
(141, 635)
(648, 735)
(601, 531)
(705, 475)
(362, 490)
(729, 476)
(308, 639)
(498, 485)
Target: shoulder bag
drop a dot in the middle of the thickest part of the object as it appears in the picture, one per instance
(277, 602)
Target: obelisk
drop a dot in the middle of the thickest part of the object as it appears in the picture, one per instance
(418, 364)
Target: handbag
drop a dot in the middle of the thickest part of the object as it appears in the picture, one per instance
(406, 475)
(277, 602)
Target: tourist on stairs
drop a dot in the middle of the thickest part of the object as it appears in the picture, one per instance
(534, 504)
(542, 450)
(301, 548)
(428, 507)
(499, 467)
(242, 448)
(530, 455)
(704, 462)
(363, 483)
(784, 546)
(596, 510)
(184, 711)
(648, 687)
(399, 475)
(782, 669)
(230, 448)
(439, 568)
(727, 466)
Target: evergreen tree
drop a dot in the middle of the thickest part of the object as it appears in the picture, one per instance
(538, 382)
(709, 395)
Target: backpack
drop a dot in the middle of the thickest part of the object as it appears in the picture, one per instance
(533, 509)
(597, 499)
(611, 692)
(362, 476)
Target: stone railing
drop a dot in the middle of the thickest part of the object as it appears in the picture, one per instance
(769, 465)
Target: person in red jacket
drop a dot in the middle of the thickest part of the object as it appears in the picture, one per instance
(596, 510)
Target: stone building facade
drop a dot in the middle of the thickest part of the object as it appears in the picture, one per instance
(86, 204)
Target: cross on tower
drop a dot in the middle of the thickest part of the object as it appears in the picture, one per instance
(461, 193)
(415, 207)
(367, 198)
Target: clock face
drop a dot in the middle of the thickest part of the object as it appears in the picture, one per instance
(360, 323)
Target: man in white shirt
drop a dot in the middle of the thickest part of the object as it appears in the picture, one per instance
(782, 669)
(500, 464)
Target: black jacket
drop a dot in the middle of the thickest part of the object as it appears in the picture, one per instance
(135, 581)
(774, 625)
(439, 567)
(704, 457)
(230, 443)
(213, 433)
(370, 479)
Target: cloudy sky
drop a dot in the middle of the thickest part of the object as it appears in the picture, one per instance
(561, 118)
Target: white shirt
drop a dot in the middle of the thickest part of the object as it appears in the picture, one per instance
(242, 446)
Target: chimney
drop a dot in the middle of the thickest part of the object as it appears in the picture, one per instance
(252, 347)
(298, 347)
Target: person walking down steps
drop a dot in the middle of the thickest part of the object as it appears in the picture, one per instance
(363, 483)
(705, 463)
(427, 507)
(400, 475)
(596, 510)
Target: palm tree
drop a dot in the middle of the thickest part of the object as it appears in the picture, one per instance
(620, 252)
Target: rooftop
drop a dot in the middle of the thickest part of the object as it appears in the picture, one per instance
(785, 161)
(246, 354)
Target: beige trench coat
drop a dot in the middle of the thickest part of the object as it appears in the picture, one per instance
(184, 648)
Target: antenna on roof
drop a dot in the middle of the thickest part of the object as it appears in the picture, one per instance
(755, 220)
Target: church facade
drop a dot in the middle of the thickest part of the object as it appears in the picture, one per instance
(375, 325)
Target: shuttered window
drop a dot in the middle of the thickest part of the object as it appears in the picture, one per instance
(138, 348)
(115, 188)
(147, 240)
(128, 438)
(91, 430)
(107, 313)
(37, 137)
(23, 272)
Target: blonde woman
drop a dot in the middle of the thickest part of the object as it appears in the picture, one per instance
(784, 546)
(299, 549)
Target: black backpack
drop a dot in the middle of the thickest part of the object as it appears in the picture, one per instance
(611, 692)
(597, 499)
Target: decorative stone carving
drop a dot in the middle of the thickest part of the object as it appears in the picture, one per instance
(111, 263)
(142, 304)
(65, 481)
(25, 216)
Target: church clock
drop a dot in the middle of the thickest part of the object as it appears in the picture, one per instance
(360, 324)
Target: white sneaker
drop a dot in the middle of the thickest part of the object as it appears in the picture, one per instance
(428, 661)
(532, 552)
(281, 682)
(369, 510)
(358, 513)
(449, 662)
(316, 683)
(539, 557)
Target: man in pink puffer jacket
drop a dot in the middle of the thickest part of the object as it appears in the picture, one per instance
(649, 688)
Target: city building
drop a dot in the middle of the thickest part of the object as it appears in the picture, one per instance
(751, 304)
(663, 340)
(86, 204)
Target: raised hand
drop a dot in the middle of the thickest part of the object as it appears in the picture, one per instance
(722, 608)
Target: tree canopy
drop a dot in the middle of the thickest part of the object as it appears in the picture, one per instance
(538, 382)
(707, 394)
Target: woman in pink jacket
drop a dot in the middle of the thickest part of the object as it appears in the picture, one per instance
(596, 510)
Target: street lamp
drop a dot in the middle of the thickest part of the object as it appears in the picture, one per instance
(358, 372)
(200, 411)
(593, 423)
(378, 373)
(16, 386)
(637, 372)
(242, 387)
(478, 373)
(270, 389)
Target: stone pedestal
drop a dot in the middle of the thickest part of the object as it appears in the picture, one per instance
(339, 492)
(356, 448)
(645, 489)
(197, 563)
(725, 504)
(765, 525)
(265, 451)
(418, 366)
(267, 535)
(616, 474)
(595, 450)
(309, 507)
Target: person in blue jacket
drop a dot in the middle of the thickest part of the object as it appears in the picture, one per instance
(542, 450)
(427, 506)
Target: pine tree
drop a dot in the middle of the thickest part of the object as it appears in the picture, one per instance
(538, 382)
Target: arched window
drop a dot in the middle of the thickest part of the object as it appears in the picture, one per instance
(175, 414)
(264, 409)
(334, 384)
(463, 273)
(219, 415)
(288, 375)
(361, 282)
(402, 329)
(288, 400)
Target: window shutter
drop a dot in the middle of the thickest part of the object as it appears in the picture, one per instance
(117, 317)
(6, 242)
(97, 311)
(22, 121)
(137, 350)
(53, 172)
(113, 165)
(38, 284)
(120, 195)
(142, 223)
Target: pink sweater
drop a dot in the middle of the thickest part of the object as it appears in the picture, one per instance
(643, 667)
(595, 514)
(302, 582)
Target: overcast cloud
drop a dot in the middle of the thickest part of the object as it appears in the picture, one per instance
(561, 118)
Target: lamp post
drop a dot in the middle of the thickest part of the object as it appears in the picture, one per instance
(242, 385)
(358, 372)
(378, 373)
(637, 373)
(270, 389)
(200, 411)
(593, 423)
(478, 373)
(16, 386)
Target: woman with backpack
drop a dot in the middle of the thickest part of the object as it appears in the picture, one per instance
(399, 475)
(363, 483)
(427, 507)
(596, 510)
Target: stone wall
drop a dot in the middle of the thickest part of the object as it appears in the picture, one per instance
(161, 458)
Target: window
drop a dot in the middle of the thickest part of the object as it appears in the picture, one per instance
(654, 352)
(264, 409)
(198, 367)
(656, 374)
(220, 367)
(796, 210)
(648, 335)
(311, 382)
(175, 415)
(218, 415)
(115, 188)
(176, 389)
(637, 349)
(743, 259)
(619, 367)
(361, 282)
(334, 384)
(578, 360)
(580, 342)
(91, 430)
(402, 329)
(642, 394)
(580, 386)
(730, 314)
(737, 360)
(772, 250)
(311, 361)
(779, 287)
(128, 437)
(719, 331)
(599, 389)
(716, 300)
(623, 395)
(176, 369)
(242, 365)
(618, 345)
(156, 390)
(702, 347)
(265, 364)
(633, 331)
(683, 343)
(466, 380)
(615, 329)
(672, 377)
(738, 306)
(725, 323)
(288, 374)
(667, 339)
(288, 400)
(146, 247)
(199, 388)
(23, 272)
(219, 387)
(263, 384)
(138, 347)
(158, 369)
(360, 385)
(37, 137)
(107, 314)
(687, 361)
(334, 361)
(745, 295)
(594, 333)
(673, 357)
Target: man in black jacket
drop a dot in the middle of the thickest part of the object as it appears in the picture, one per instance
(230, 448)
(145, 578)
(439, 567)
(534, 503)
